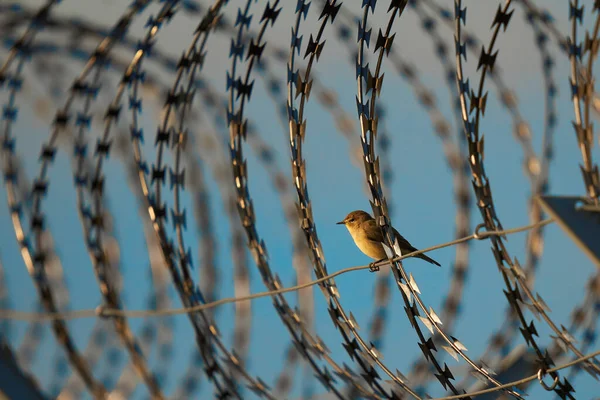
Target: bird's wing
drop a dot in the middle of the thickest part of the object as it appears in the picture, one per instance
(374, 233)
(404, 244)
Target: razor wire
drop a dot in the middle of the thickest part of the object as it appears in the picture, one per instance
(372, 82)
(19, 53)
(531, 164)
(512, 270)
(182, 159)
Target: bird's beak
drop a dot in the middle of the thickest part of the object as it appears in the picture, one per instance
(341, 223)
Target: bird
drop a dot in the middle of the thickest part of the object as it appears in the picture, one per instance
(368, 237)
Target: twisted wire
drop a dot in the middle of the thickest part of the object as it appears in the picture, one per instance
(535, 243)
(454, 156)
(538, 180)
(93, 218)
(242, 323)
(535, 240)
(305, 301)
(147, 330)
(205, 331)
(167, 63)
(238, 128)
(266, 157)
(188, 383)
(582, 88)
(500, 341)
(56, 277)
(100, 330)
(190, 63)
(35, 260)
(345, 125)
(531, 164)
(159, 331)
(480, 180)
(513, 272)
(302, 86)
(538, 19)
(368, 121)
(174, 141)
(428, 101)
(524, 380)
(210, 100)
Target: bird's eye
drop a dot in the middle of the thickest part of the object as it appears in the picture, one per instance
(351, 220)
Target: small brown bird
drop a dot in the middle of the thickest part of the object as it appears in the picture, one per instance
(368, 237)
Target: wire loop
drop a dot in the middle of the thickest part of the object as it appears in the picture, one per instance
(541, 374)
(480, 236)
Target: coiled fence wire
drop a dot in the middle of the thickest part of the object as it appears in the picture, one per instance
(235, 198)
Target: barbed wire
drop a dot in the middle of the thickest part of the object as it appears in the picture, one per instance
(36, 259)
(104, 312)
(56, 275)
(516, 383)
(459, 166)
(180, 148)
(537, 172)
(471, 128)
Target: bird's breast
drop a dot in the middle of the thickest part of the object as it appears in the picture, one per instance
(369, 247)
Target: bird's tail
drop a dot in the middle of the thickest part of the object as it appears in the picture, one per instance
(430, 260)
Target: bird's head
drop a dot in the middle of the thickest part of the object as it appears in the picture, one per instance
(355, 219)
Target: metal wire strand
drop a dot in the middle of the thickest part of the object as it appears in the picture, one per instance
(106, 312)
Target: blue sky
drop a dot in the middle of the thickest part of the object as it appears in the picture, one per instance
(421, 191)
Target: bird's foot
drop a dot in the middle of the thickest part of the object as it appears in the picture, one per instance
(373, 267)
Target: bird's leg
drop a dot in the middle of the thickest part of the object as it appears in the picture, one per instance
(373, 267)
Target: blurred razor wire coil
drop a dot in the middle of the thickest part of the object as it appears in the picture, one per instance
(167, 154)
